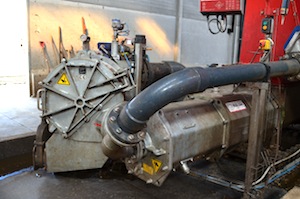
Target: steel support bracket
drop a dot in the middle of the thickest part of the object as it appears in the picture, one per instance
(256, 131)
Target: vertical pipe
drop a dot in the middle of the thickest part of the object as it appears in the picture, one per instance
(179, 15)
(139, 48)
(236, 39)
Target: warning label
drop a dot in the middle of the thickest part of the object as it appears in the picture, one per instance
(152, 169)
(63, 80)
(236, 106)
(156, 164)
(148, 169)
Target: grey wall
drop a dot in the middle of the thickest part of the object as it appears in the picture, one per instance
(164, 7)
(154, 18)
(199, 46)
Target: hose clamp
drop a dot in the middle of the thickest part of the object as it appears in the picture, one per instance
(268, 72)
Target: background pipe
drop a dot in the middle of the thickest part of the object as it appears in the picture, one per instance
(191, 80)
(155, 71)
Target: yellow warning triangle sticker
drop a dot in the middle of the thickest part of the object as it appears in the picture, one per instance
(147, 168)
(156, 164)
(63, 80)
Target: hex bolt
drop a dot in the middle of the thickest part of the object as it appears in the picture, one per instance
(149, 181)
(130, 171)
(119, 130)
(65, 135)
(137, 170)
(112, 118)
(130, 137)
(140, 172)
(157, 151)
(165, 168)
(117, 109)
(142, 134)
(100, 107)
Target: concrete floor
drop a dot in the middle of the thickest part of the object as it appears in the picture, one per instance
(19, 115)
(19, 118)
(47, 185)
(87, 184)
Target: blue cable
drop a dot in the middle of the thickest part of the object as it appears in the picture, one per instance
(291, 166)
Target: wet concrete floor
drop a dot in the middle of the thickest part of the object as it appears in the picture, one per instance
(92, 184)
(37, 185)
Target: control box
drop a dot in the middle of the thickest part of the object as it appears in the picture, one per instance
(215, 7)
(267, 25)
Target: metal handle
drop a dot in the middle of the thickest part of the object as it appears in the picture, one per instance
(38, 96)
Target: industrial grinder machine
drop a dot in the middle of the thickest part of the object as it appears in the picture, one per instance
(113, 104)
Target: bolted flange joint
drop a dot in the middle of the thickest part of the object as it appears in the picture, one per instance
(117, 132)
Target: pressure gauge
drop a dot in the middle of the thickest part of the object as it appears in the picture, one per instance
(83, 37)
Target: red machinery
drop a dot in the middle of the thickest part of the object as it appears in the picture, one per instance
(255, 12)
(220, 6)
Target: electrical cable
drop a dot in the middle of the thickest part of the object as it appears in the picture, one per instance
(274, 164)
(288, 168)
(265, 56)
(257, 184)
(219, 181)
(256, 53)
(29, 169)
(221, 21)
(222, 25)
(102, 47)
